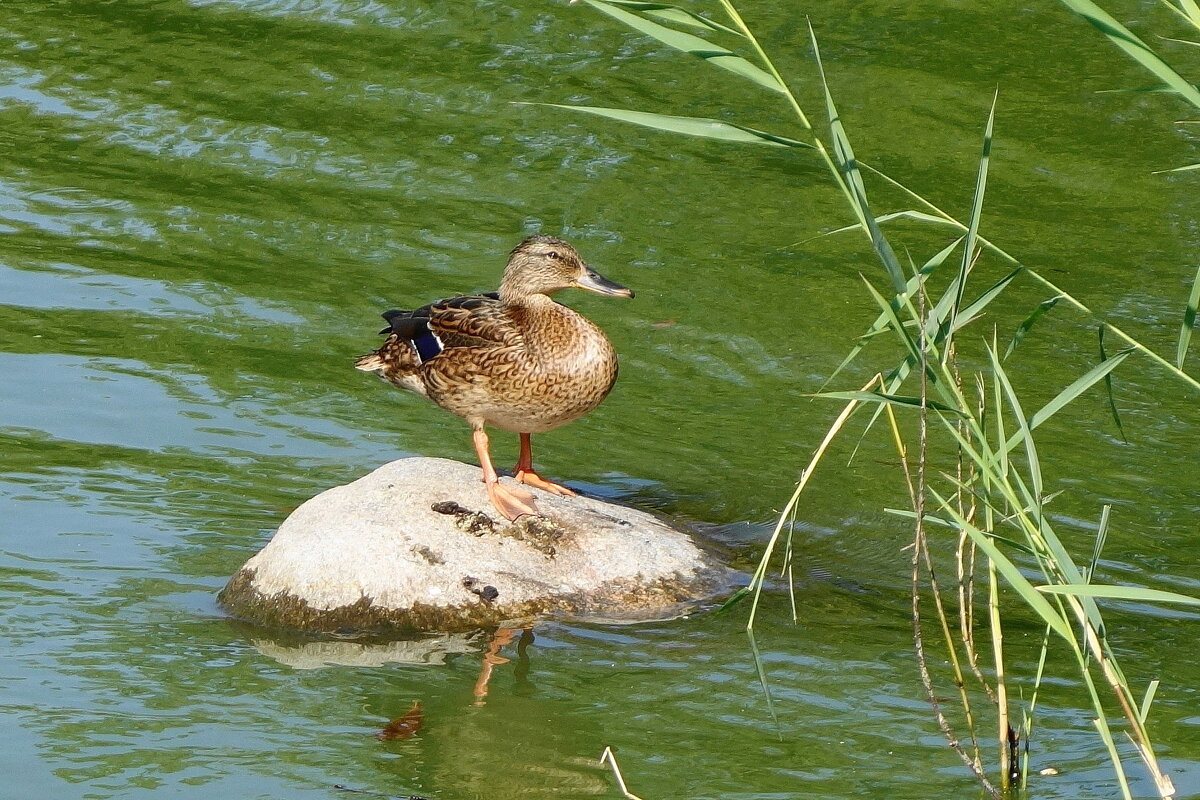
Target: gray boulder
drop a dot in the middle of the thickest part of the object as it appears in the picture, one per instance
(416, 546)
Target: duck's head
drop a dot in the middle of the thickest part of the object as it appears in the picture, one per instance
(545, 264)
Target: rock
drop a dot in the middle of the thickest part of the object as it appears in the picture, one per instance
(416, 546)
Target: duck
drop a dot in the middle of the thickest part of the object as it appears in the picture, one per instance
(515, 359)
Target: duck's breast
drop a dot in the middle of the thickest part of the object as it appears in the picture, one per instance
(565, 369)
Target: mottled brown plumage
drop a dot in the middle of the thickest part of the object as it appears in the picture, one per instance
(515, 359)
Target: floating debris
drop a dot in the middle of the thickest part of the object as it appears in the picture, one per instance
(404, 727)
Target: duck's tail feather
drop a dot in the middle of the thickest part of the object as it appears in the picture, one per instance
(397, 362)
(370, 362)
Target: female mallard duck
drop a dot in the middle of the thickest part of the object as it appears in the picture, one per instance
(515, 359)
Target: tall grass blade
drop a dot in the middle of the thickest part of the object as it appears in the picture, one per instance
(689, 126)
(901, 331)
(1192, 11)
(976, 210)
(1024, 432)
(945, 523)
(762, 675)
(1028, 323)
(880, 324)
(756, 581)
(1188, 9)
(1106, 736)
(848, 166)
(1144, 708)
(980, 303)
(919, 216)
(733, 600)
(1011, 572)
(1189, 321)
(1123, 38)
(712, 53)
(1035, 275)
(1101, 537)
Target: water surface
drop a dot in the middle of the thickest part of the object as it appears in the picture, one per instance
(203, 207)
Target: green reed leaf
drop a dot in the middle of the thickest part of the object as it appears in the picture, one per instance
(1108, 388)
(1110, 592)
(880, 324)
(1188, 9)
(1024, 327)
(889, 399)
(848, 166)
(918, 216)
(1011, 572)
(1123, 38)
(1144, 708)
(1189, 320)
(1025, 432)
(734, 599)
(713, 53)
(1101, 537)
(980, 303)
(1078, 387)
(674, 14)
(689, 126)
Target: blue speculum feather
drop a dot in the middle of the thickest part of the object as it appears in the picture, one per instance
(427, 344)
(413, 326)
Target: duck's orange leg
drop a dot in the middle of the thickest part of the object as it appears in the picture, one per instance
(512, 503)
(526, 475)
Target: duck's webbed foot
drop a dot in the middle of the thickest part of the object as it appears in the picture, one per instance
(509, 501)
(531, 478)
(524, 471)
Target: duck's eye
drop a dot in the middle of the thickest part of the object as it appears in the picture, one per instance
(554, 254)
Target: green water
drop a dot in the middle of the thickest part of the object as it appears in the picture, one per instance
(203, 207)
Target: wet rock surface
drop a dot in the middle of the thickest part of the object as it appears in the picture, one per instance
(416, 546)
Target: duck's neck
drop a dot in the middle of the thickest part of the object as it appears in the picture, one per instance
(516, 297)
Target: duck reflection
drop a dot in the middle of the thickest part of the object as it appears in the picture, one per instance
(473, 730)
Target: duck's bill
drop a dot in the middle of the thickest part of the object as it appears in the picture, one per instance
(595, 282)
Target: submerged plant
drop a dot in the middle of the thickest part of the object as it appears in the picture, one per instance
(991, 498)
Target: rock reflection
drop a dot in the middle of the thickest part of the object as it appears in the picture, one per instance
(431, 650)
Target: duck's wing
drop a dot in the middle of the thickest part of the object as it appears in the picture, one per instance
(466, 321)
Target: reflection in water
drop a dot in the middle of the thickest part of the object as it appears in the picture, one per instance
(431, 650)
(427, 650)
(497, 746)
(492, 658)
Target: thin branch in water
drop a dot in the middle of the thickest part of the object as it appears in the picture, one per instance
(607, 756)
(921, 553)
(756, 582)
(965, 558)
